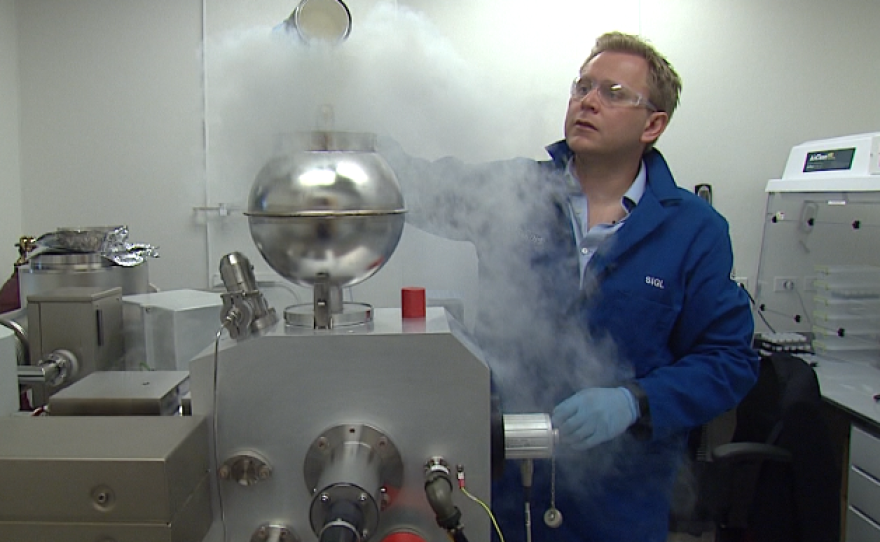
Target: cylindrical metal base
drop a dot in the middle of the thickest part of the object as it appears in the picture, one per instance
(352, 314)
(50, 271)
(529, 436)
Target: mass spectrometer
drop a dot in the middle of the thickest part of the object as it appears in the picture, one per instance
(329, 421)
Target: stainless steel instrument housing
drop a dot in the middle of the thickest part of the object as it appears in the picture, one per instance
(416, 384)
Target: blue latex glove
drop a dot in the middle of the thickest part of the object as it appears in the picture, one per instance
(594, 415)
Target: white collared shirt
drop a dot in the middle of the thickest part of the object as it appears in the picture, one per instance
(588, 239)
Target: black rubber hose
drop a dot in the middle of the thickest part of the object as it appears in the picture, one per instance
(349, 513)
(338, 533)
(438, 490)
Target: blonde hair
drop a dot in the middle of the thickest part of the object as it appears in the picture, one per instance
(664, 83)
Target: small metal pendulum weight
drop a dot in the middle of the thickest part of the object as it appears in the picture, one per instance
(553, 517)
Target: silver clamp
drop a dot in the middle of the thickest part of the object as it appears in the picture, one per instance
(245, 310)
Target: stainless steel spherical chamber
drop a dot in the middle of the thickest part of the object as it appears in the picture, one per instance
(328, 211)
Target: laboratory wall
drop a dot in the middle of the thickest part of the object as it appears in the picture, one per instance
(10, 169)
(111, 123)
(759, 78)
(118, 111)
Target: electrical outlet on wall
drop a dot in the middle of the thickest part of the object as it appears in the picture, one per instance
(785, 284)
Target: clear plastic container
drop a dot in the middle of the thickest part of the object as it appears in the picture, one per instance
(856, 321)
(865, 339)
(848, 281)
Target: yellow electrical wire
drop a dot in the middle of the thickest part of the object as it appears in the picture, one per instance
(488, 511)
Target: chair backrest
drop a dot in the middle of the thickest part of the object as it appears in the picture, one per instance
(800, 500)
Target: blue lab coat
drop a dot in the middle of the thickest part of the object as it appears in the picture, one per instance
(660, 291)
(658, 301)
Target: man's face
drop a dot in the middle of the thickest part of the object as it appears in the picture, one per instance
(593, 126)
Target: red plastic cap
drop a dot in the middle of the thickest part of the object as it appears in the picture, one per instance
(412, 302)
(403, 536)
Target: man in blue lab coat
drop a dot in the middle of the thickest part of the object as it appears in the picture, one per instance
(625, 273)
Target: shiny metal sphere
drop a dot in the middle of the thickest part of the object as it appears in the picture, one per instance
(328, 210)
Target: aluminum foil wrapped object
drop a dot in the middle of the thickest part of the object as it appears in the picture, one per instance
(110, 242)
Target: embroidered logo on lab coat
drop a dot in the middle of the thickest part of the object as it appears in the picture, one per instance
(533, 237)
(655, 282)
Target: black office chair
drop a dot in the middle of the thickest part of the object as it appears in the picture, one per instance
(778, 480)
